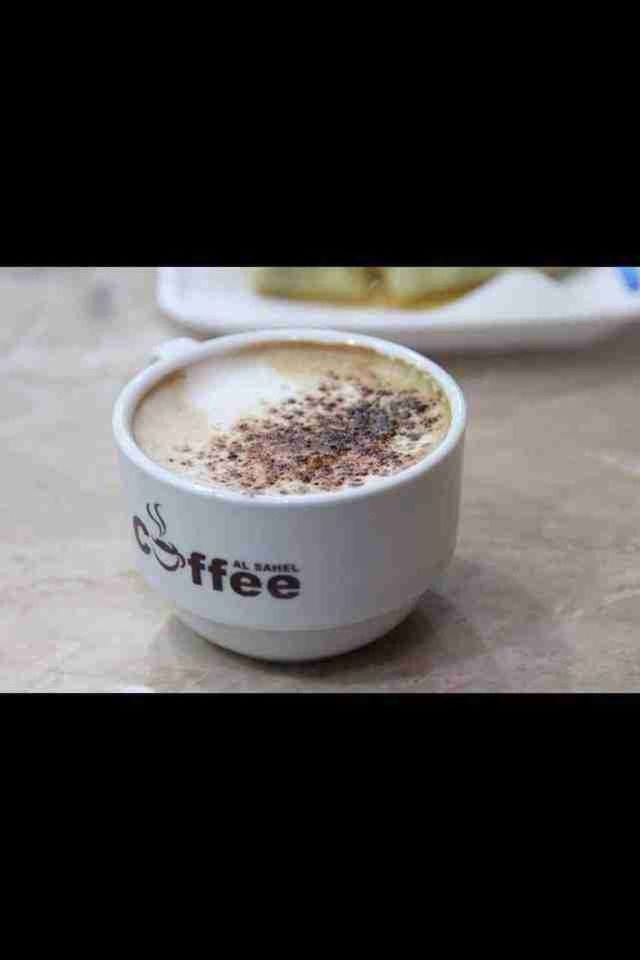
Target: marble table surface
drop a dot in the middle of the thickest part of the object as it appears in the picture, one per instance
(543, 594)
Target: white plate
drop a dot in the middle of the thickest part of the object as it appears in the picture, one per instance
(520, 308)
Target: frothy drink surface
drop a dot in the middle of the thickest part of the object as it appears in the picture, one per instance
(284, 418)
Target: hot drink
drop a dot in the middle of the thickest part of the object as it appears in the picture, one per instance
(292, 417)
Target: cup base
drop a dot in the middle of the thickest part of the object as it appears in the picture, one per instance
(295, 645)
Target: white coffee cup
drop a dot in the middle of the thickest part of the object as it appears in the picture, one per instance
(295, 577)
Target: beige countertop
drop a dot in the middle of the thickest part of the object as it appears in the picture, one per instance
(543, 594)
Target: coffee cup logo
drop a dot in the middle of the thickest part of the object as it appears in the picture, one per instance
(246, 578)
(161, 550)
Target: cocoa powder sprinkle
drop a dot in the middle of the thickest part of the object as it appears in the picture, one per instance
(326, 440)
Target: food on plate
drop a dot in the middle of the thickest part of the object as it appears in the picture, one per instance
(350, 284)
(409, 285)
(376, 286)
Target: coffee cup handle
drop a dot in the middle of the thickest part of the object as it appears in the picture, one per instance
(172, 349)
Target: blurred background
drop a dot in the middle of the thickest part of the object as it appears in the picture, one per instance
(544, 592)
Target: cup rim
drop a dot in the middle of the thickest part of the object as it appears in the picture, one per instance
(131, 395)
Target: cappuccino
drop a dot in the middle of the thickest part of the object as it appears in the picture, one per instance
(292, 417)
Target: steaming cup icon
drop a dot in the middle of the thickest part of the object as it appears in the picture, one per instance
(161, 549)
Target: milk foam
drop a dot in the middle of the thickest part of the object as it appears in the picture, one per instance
(292, 418)
(242, 386)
